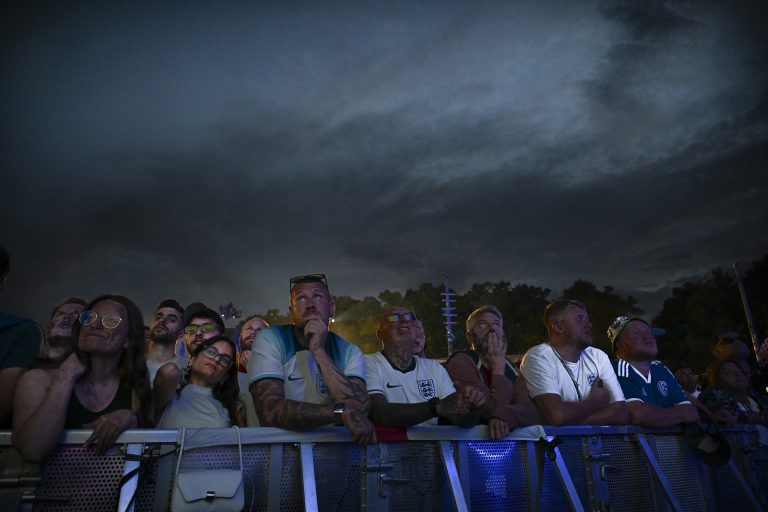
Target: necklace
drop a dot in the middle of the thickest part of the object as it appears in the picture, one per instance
(575, 380)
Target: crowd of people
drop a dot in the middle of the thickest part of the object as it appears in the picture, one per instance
(94, 367)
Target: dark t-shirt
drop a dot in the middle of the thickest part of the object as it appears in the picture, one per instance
(78, 415)
(19, 341)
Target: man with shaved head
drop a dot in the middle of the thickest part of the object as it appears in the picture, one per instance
(407, 390)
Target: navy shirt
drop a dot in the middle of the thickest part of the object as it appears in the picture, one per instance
(661, 389)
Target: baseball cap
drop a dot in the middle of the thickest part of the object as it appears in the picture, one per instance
(198, 309)
(620, 322)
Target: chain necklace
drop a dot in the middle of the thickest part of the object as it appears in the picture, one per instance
(575, 379)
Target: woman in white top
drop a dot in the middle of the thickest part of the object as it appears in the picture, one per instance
(206, 395)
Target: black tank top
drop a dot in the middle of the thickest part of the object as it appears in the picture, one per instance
(78, 415)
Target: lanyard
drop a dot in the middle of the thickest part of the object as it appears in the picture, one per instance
(570, 373)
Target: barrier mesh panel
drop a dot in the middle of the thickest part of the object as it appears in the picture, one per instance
(552, 494)
(673, 455)
(338, 476)
(84, 480)
(291, 483)
(630, 484)
(498, 476)
(727, 492)
(255, 470)
(425, 486)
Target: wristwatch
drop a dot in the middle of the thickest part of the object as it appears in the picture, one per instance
(338, 410)
(433, 405)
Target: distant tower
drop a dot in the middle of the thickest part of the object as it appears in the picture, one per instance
(449, 314)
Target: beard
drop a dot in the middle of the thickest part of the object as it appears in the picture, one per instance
(163, 339)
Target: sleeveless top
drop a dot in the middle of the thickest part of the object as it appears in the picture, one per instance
(78, 415)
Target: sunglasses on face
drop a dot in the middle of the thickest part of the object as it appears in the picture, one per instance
(213, 354)
(731, 339)
(206, 328)
(401, 317)
(309, 278)
(109, 321)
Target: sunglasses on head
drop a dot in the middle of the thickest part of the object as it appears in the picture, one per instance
(109, 321)
(309, 278)
(206, 328)
(410, 316)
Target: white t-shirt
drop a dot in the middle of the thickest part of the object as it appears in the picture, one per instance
(196, 408)
(153, 366)
(425, 379)
(251, 418)
(277, 355)
(545, 372)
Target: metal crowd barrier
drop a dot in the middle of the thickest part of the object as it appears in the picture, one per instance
(439, 468)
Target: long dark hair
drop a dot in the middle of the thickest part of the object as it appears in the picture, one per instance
(228, 392)
(132, 368)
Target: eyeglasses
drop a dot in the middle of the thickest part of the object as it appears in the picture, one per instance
(410, 316)
(730, 339)
(213, 354)
(309, 278)
(206, 328)
(109, 321)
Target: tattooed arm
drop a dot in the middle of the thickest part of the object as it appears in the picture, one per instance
(274, 410)
(384, 413)
(341, 388)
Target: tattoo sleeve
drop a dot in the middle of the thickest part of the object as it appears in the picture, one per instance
(274, 410)
(350, 390)
(384, 413)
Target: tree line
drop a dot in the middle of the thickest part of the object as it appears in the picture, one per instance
(693, 315)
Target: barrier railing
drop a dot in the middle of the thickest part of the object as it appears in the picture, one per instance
(439, 468)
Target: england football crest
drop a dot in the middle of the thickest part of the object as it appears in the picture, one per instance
(321, 385)
(662, 387)
(426, 388)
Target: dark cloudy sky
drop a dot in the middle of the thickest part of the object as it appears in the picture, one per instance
(210, 150)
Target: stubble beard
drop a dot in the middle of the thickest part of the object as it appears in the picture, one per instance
(166, 339)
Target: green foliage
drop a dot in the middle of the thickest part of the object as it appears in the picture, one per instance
(698, 311)
(693, 316)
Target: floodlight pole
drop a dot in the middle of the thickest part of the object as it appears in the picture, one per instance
(449, 314)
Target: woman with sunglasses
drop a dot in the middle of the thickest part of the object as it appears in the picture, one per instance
(103, 385)
(207, 395)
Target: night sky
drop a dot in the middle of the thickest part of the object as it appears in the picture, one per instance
(211, 150)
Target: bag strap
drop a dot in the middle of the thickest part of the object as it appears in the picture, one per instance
(239, 446)
(181, 450)
(184, 435)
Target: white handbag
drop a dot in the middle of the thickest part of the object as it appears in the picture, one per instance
(209, 489)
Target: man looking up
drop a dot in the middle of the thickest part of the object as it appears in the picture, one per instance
(407, 390)
(487, 368)
(164, 329)
(200, 323)
(570, 381)
(250, 327)
(302, 376)
(731, 346)
(654, 397)
(420, 347)
(58, 342)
